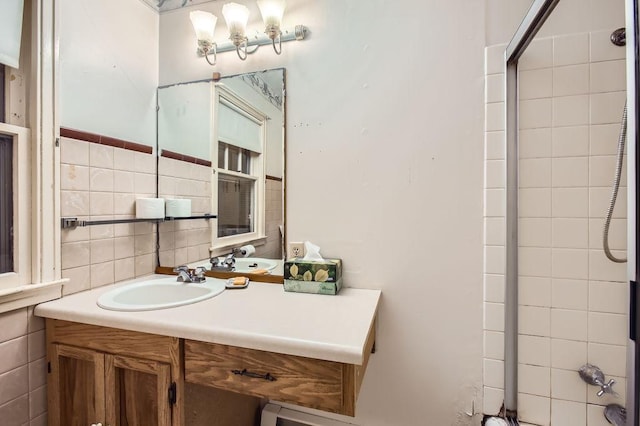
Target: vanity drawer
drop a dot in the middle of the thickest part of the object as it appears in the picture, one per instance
(303, 381)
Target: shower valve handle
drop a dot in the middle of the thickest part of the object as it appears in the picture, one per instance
(607, 388)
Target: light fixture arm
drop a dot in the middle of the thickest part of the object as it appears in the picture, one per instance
(205, 48)
(278, 49)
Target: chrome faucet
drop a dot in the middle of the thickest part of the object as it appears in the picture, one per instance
(186, 275)
(227, 265)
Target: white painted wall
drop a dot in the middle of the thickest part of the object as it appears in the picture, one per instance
(109, 68)
(384, 169)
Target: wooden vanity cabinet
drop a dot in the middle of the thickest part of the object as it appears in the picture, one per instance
(113, 377)
(124, 378)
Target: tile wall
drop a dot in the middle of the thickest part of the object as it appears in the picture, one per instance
(185, 241)
(23, 371)
(274, 214)
(102, 182)
(572, 299)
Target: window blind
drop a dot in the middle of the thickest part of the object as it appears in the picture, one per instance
(235, 128)
(11, 32)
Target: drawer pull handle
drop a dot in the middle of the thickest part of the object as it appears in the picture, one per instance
(244, 372)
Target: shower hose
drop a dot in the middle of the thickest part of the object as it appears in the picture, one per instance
(614, 190)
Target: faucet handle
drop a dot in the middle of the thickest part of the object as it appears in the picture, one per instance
(199, 272)
(214, 261)
(607, 388)
(181, 268)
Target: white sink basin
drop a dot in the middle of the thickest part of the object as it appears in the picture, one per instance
(159, 293)
(249, 264)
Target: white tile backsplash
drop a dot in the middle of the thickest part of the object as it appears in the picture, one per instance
(567, 385)
(568, 354)
(570, 202)
(568, 412)
(539, 54)
(534, 350)
(535, 143)
(534, 232)
(534, 173)
(534, 320)
(570, 233)
(571, 110)
(571, 80)
(607, 107)
(569, 324)
(535, 202)
(571, 141)
(494, 145)
(534, 409)
(608, 296)
(534, 291)
(535, 84)
(601, 48)
(570, 49)
(608, 328)
(535, 113)
(494, 88)
(494, 59)
(534, 380)
(608, 76)
(569, 294)
(494, 346)
(612, 359)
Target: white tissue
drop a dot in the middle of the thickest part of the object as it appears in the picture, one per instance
(150, 208)
(178, 207)
(311, 252)
(247, 250)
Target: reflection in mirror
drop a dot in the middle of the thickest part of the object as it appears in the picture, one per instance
(221, 145)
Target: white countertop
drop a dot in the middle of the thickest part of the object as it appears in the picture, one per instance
(263, 316)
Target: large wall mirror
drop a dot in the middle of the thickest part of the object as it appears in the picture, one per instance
(221, 145)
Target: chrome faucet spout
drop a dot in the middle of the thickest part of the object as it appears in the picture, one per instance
(187, 276)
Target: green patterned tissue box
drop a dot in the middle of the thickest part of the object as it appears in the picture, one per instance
(310, 276)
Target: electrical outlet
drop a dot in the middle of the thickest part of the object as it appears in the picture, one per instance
(295, 250)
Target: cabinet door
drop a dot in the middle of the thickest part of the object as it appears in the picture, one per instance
(137, 392)
(76, 387)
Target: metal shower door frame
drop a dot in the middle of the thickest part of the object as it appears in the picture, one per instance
(531, 24)
(633, 206)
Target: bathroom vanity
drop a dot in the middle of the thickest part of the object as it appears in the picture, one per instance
(132, 368)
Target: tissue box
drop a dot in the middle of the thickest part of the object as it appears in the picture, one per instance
(310, 276)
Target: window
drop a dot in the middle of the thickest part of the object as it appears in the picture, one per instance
(6, 203)
(236, 190)
(240, 171)
(15, 218)
(30, 239)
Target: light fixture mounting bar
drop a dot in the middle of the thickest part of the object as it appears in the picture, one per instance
(260, 39)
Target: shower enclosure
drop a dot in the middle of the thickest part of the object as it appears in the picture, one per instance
(555, 98)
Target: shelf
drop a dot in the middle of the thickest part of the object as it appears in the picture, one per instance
(73, 222)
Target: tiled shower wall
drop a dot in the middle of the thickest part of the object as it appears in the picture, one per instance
(185, 241)
(100, 182)
(23, 369)
(572, 299)
(274, 218)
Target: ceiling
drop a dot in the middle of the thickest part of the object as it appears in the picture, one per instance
(166, 5)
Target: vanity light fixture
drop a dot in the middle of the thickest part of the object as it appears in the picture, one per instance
(236, 16)
(272, 11)
(204, 24)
